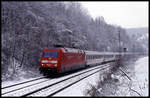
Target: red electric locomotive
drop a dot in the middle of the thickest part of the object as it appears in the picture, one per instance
(60, 60)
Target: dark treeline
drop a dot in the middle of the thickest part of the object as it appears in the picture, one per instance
(28, 27)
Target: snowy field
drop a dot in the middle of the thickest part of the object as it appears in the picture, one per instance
(8, 83)
(79, 88)
(141, 80)
(137, 87)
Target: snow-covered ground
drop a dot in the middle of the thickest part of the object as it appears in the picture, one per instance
(137, 87)
(141, 80)
(41, 85)
(21, 75)
(20, 80)
(79, 88)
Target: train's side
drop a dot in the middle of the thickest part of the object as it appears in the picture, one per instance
(61, 60)
(95, 58)
(72, 59)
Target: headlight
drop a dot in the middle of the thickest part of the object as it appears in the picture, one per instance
(53, 61)
(44, 61)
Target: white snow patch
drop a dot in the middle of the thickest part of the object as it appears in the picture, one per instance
(138, 86)
(141, 79)
(79, 88)
(8, 83)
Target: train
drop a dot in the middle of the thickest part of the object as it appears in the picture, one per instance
(63, 59)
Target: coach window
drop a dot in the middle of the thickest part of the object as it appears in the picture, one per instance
(99, 56)
(104, 56)
(110, 56)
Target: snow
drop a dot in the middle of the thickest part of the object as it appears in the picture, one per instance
(20, 75)
(139, 82)
(79, 88)
(141, 79)
(138, 86)
(23, 85)
(8, 83)
(41, 85)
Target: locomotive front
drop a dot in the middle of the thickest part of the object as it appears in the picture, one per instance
(50, 60)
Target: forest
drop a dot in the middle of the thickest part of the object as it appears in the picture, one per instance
(28, 27)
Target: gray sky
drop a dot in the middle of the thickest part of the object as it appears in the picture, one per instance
(126, 14)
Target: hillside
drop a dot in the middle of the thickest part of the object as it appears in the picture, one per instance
(28, 27)
(137, 30)
(140, 35)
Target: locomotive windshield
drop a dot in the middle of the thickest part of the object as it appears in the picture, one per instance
(51, 54)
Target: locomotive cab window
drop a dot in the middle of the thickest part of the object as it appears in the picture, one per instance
(51, 54)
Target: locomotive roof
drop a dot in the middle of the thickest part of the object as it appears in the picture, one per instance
(72, 50)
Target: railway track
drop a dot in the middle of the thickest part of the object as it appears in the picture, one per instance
(17, 86)
(8, 86)
(49, 87)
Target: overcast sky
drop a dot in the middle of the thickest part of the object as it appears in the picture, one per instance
(126, 14)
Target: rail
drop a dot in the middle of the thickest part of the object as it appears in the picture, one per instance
(53, 86)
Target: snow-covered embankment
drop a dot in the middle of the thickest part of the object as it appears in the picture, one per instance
(140, 80)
